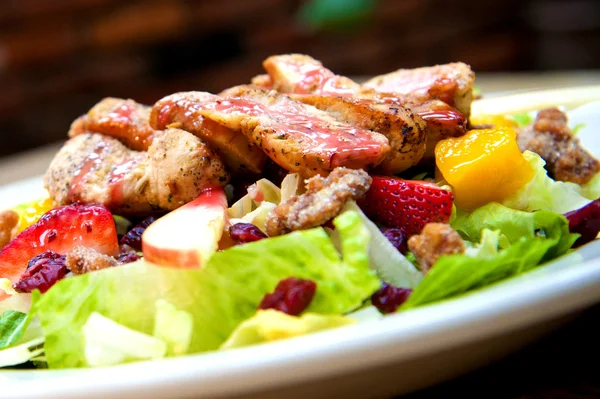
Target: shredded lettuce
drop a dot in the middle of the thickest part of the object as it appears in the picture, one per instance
(174, 327)
(591, 190)
(107, 343)
(291, 185)
(547, 237)
(391, 266)
(22, 353)
(523, 119)
(218, 297)
(489, 245)
(542, 192)
(257, 217)
(272, 325)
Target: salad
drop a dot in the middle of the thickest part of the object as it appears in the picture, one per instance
(301, 202)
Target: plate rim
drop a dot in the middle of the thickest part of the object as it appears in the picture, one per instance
(334, 352)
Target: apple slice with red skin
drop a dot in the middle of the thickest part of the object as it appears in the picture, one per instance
(187, 236)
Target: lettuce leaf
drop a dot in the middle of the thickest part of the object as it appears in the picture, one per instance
(391, 266)
(591, 190)
(512, 224)
(542, 192)
(455, 275)
(107, 343)
(218, 297)
(12, 326)
(272, 325)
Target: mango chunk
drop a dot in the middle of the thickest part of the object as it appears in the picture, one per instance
(483, 166)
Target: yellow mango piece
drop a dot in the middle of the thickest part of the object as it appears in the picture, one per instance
(483, 166)
(31, 212)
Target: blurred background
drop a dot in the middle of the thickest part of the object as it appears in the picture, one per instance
(59, 57)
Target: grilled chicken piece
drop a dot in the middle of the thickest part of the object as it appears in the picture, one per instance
(95, 168)
(550, 137)
(298, 137)
(404, 130)
(451, 83)
(323, 200)
(301, 74)
(240, 156)
(442, 121)
(297, 74)
(124, 120)
(262, 81)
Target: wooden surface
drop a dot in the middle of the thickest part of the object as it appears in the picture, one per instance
(564, 365)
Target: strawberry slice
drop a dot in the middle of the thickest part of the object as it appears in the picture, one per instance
(60, 230)
(406, 204)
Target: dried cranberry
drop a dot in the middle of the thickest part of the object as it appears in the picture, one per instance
(585, 221)
(245, 232)
(128, 257)
(388, 298)
(42, 272)
(133, 238)
(397, 238)
(291, 296)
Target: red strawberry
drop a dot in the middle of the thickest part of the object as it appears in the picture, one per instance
(60, 230)
(406, 204)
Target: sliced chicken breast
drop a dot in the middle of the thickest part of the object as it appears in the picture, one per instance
(96, 168)
(298, 137)
(452, 83)
(237, 152)
(121, 119)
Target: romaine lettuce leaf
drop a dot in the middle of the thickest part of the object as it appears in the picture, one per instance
(12, 326)
(174, 327)
(218, 297)
(272, 325)
(457, 274)
(512, 224)
(542, 192)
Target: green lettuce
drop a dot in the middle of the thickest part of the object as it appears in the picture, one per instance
(591, 190)
(512, 224)
(390, 265)
(12, 326)
(218, 297)
(542, 192)
(107, 343)
(272, 325)
(545, 236)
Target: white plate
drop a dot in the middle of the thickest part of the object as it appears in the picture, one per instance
(397, 354)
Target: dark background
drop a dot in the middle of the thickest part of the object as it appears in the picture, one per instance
(59, 57)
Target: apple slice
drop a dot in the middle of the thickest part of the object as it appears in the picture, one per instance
(187, 236)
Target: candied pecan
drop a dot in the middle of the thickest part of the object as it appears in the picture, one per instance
(8, 222)
(324, 199)
(550, 138)
(435, 240)
(84, 260)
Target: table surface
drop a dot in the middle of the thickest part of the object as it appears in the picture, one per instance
(563, 365)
